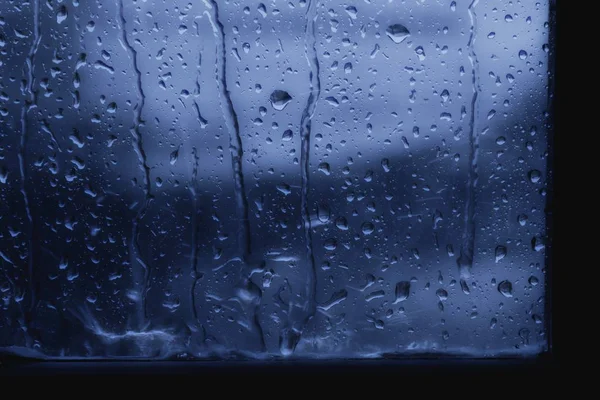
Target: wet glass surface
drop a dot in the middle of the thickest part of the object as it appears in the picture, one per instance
(281, 178)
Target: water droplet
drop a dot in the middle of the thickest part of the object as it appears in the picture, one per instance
(437, 219)
(333, 101)
(397, 33)
(341, 223)
(323, 213)
(445, 96)
(523, 54)
(533, 281)
(348, 68)
(280, 99)
(374, 295)
(351, 11)
(537, 243)
(500, 253)
(330, 244)
(3, 174)
(524, 335)
(505, 287)
(465, 287)
(62, 14)
(385, 164)
(173, 157)
(420, 53)
(284, 188)
(402, 291)
(522, 219)
(324, 168)
(441, 294)
(367, 228)
(535, 176)
(287, 135)
(262, 9)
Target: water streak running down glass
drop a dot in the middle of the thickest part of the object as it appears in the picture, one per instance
(298, 178)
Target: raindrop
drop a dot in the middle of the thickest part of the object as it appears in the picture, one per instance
(351, 11)
(330, 244)
(522, 219)
(505, 288)
(324, 168)
(537, 243)
(523, 54)
(341, 223)
(397, 33)
(62, 14)
(441, 294)
(385, 164)
(500, 253)
(284, 188)
(533, 281)
(420, 53)
(367, 228)
(402, 291)
(280, 99)
(535, 176)
(323, 213)
(173, 157)
(287, 135)
(445, 95)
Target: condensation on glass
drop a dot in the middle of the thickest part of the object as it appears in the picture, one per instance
(340, 178)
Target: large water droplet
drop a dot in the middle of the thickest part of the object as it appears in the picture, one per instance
(441, 294)
(330, 244)
(505, 287)
(537, 244)
(325, 168)
(523, 54)
(341, 223)
(323, 213)
(500, 253)
(367, 228)
(174, 156)
(397, 33)
(535, 176)
(351, 11)
(402, 291)
(280, 99)
(287, 135)
(62, 14)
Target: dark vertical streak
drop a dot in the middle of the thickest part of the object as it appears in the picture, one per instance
(291, 334)
(235, 139)
(305, 132)
(30, 103)
(237, 152)
(465, 260)
(195, 231)
(139, 149)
